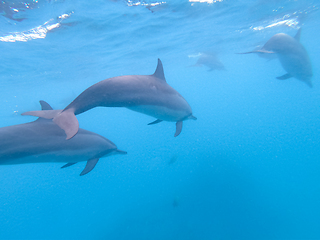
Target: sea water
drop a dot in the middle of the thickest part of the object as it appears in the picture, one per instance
(248, 168)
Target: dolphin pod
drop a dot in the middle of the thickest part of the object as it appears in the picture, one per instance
(291, 54)
(43, 141)
(148, 94)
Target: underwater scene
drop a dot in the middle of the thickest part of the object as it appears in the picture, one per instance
(152, 120)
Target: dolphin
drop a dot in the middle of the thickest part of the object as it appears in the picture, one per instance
(210, 60)
(43, 141)
(291, 54)
(148, 94)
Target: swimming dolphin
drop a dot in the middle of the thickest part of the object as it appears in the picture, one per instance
(210, 60)
(43, 141)
(291, 54)
(148, 94)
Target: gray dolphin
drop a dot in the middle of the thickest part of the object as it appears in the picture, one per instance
(292, 56)
(148, 94)
(43, 141)
(210, 60)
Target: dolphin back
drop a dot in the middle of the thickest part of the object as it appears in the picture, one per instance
(44, 141)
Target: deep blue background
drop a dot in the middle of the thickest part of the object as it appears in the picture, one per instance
(248, 168)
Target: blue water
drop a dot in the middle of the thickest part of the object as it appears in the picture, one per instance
(248, 168)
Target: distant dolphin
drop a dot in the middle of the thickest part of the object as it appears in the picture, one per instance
(148, 94)
(210, 60)
(292, 55)
(43, 141)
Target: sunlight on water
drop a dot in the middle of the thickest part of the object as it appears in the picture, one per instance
(37, 32)
(289, 20)
(206, 1)
(290, 23)
(131, 3)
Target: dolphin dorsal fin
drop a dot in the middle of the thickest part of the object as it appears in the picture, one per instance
(159, 71)
(298, 34)
(45, 105)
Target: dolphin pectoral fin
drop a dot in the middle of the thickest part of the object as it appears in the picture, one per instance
(258, 51)
(68, 122)
(178, 128)
(246, 52)
(263, 51)
(68, 164)
(47, 114)
(285, 76)
(155, 122)
(90, 165)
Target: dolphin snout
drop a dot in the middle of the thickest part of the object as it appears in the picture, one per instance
(192, 117)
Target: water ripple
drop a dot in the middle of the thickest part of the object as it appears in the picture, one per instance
(37, 32)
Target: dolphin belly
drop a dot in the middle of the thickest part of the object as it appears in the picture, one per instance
(44, 158)
(61, 156)
(297, 65)
(161, 112)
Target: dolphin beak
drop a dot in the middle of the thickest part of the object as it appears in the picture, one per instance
(120, 152)
(192, 117)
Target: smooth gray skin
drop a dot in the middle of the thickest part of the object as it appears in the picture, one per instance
(43, 141)
(210, 60)
(148, 94)
(292, 56)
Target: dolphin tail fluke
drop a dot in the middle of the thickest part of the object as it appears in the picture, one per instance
(285, 76)
(178, 128)
(67, 121)
(47, 114)
(68, 164)
(90, 165)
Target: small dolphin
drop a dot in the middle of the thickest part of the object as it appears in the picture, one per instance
(176, 201)
(210, 60)
(148, 94)
(292, 56)
(173, 159)
(43, 141)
